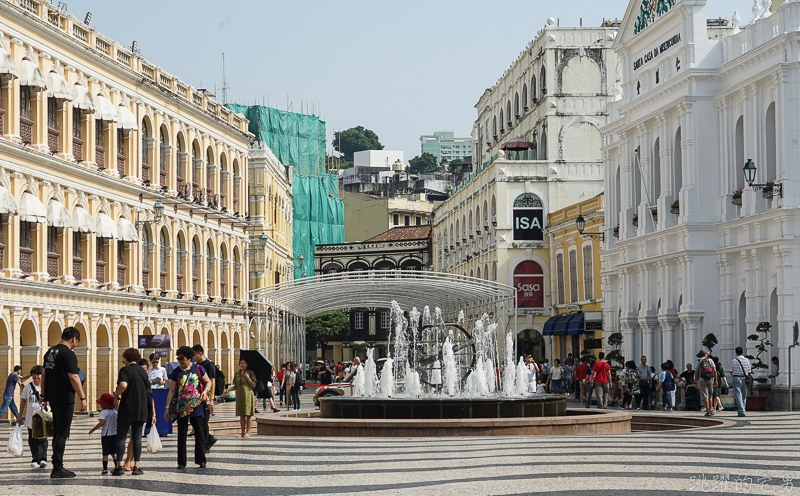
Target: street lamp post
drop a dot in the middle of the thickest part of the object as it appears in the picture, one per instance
(158, 208)
(262, 242)
(580, 223)
(749, 171)
(300, 261)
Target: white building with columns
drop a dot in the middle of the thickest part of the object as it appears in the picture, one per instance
(697, 100)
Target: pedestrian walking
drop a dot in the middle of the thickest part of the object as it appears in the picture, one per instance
(60, 382)
(8, 393)
(721, 387)
(211, 371)
(108, 425)
(286, 385)
(643, 399)
(666, 384)
(554, 379)
(653, 389)
(630, 378)
(243, 383)
(279, 376)
(705, 378)
(544, 368)
(582, 376)
(601, 378)
(29, 403)
(296, 383)
(674, 373)
(190, 383)
(740, 368)
(134, 408)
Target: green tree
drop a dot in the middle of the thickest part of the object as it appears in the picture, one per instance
(327, 326)
(709, 342)
(332, 162)
(614, 357)
(355, 139)
(423, 163)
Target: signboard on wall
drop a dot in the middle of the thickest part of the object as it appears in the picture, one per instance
(529, 282)
(528, 218)
(159, 341)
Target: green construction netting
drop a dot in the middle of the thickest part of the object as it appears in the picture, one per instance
(299, 140)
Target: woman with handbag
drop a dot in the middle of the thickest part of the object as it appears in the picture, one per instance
(188, 387)
(244, 381)
(28, 405)
(134, 408)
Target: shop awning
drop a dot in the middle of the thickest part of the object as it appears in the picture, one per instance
(8, 205)
(127, 231)
(106, 228)
(57, 86)
(8, 68)
(58, 215)
(560, 329)
(31, 209)
(30, 75)
(82, 221)
(125, 117)
(576, 325)
(104, 109)
(82, 99)
(547, 330)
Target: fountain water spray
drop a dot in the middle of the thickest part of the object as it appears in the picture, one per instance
(450, 374)
(522, 378)
(387, 379)
(510, 370)
(370, 375)
(358, 381)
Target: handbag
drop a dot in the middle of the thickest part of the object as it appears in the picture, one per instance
(173, 405)
(42, 425)
(748, 379)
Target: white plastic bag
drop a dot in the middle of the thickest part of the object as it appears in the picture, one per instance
(15, 441)
(153, 441)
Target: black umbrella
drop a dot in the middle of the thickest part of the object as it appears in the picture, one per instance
(258, 364)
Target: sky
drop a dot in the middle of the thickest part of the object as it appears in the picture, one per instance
(401, 69)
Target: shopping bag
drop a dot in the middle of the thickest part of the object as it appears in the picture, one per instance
(42, 425)
(15, 441)
(153, 441)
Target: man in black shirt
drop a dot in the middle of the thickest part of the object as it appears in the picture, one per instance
(60, 382)
(211, 371)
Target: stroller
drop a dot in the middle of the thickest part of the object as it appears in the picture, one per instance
(692, 399)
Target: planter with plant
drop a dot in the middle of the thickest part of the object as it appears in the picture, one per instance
(654, 213)
(635, 219)
(615, 231)
(762, 346)
(768, 190)
(675, 207)
(736, 199)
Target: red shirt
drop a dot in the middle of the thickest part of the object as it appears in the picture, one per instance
(674, 374)
(601, 370)
(581, 371)
(280, 375)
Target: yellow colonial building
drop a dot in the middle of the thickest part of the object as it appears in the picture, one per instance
(577, 301)
(271, 212)
(122, 200)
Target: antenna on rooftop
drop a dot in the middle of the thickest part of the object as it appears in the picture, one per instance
(225, 86)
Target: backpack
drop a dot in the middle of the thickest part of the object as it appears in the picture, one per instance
(219, 386)
(298, 379)
(669, 381)
(706, 370)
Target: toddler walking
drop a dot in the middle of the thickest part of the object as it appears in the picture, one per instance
(108, 423)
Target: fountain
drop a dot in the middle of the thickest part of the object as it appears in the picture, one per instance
(441, 380)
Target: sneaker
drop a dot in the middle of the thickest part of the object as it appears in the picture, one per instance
(43, 464)
(742, 415)
(61, 473)
(104, 472)
(118, 471)
(137, 471)
(34, 464)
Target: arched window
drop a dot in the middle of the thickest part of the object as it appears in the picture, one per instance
(656, 161)
(516, 105)
(560, 278)
(145, 259)
(223, 278)
(529, 282)
(179, 265)
(502, 128)
(508, 114)
(197, 259)
(588, 273)
(210, 269)
(678, 161)
(543, 146)
(573, 276)
(494, 127)
(163, 263)
(357, 267)
(528, 217)
(524, 98)
(772, 147)
(181, 174)
(145, 159)
(533, 90)
(542, 78)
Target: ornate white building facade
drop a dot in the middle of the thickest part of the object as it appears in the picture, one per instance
(698, 101)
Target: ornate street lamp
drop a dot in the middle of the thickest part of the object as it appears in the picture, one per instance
(158, 208)
(770, 189)
(580, 223)
(262, 242)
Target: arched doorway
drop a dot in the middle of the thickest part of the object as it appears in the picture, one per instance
(5, 351)
(530, 342)
(226, 355)
(82, 352)
(30, 349)
(123, 342)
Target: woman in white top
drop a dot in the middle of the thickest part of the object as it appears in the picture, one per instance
(554, 377)
(28, 405)
(533, 370)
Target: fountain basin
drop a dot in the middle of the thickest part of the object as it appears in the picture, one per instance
(574, 422)
(348, 407)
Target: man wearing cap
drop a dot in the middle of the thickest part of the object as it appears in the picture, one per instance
(705, 378)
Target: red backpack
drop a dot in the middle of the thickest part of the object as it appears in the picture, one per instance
(706, 369)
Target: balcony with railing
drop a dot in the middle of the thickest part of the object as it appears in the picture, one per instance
(210, 287)
(163, 178)
(52, 138)
(146, 278)
(52, 264)
(100, 156)
(77, 149)
(179, 283)
(194, 285)
(77, 268)
(121, 164)
(26, 260)
(26, 129)
(121, 272)
(162, 281)
(145, 172)
(100, 268)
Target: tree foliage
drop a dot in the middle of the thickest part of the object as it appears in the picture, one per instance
(423, 163)
(763, 345)
(615, 357)
(327, 326)
(709, 342)
(355, 139)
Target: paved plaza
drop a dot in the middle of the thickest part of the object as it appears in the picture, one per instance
(760, 454)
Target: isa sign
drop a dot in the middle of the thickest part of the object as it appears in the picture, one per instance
(528, 225)
(159, 341)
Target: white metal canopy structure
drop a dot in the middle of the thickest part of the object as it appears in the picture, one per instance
(287, 305)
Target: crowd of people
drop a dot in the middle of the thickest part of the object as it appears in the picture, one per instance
(642, 386)
(129, 411)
